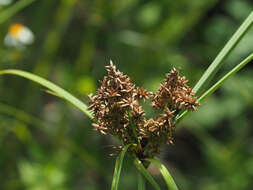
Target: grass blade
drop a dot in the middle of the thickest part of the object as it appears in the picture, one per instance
(226, 77)
(9, 12)
(141, 182)
(145, 173)
(165, 173)
(219, 83)
(117, 169)
(218, 61)
(61, 92)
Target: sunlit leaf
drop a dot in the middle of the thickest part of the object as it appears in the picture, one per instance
(56, 89)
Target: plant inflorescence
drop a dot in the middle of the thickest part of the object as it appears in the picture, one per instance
(117, 111)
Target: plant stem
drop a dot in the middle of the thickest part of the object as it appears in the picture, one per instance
(6, 14)
(146, 174)
(219, 83)
(218, 61)
(117, 169)
(141, 182)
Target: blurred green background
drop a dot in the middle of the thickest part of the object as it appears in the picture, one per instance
(47, 144)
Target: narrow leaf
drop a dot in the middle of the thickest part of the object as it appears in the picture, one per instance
(165, 173)
(218, 61)
(219, 83)
(141, 182)
(145, 173)
(117, 169)
(9, 12)
(56, 89)
(51, 93)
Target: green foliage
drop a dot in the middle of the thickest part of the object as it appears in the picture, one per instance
(145, 173)
(6, 14)
(59, 91)
(166, 175)
(117, 168)
(45, 144)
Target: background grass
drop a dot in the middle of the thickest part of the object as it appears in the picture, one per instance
(51, 144)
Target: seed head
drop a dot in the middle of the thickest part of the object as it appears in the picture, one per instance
(117, 111)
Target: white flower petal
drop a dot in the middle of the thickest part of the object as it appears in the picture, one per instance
(25, 36)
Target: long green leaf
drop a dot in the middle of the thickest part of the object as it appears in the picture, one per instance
(165, 173)
(63, 93)
(117, 169)
(218, 61)
(219, 83)
(145, 173)
(226, 77)
(141, 182)
(9, 12)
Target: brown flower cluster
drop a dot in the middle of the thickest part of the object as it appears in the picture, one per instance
(117, 110)
(174, 94)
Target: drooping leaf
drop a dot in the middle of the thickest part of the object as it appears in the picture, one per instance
(56, 89)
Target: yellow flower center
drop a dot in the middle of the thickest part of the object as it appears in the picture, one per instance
(15, 29)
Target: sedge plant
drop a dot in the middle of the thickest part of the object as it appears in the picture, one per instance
(115, 110)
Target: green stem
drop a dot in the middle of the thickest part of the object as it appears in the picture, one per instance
(6, 14)
(117, 169)
(165, 173)
(145, 173)
(219, 83)
(141, 182)
(218, 61)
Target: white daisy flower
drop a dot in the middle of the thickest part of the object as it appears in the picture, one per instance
(5, 2)
(18, 36)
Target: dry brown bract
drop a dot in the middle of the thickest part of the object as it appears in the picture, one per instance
(117, 111)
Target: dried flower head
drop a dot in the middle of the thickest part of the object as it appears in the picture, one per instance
(115, 106)
(174, 93)
(117, 111)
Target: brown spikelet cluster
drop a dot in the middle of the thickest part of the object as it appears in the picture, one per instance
(116, 107)
(117, 110)
(174, 93)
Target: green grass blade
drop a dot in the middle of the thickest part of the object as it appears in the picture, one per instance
(117, 169)
(219, 83)
(9, 12)
(61, 92)
(218, 61)
(141, 182)
(165, 173)
(145, 173)
(226, 77)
